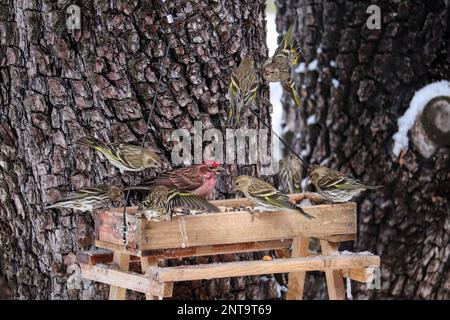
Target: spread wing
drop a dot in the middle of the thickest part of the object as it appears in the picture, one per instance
(191, 202)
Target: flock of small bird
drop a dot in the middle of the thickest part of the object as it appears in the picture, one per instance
(189, 188)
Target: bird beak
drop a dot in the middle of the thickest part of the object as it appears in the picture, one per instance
(219, 170)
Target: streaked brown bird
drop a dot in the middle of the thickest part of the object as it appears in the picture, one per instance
(198, 179)
(125, 156)
(279, 67)
(334, 185)
(265, 196)
(289, 174)
(242, 91)
(162, 201)
(89, 199)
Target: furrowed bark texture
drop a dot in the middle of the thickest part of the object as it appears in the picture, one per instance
(363, 82)
(56, 86)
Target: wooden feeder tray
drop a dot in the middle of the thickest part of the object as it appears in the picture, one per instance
(223, 233)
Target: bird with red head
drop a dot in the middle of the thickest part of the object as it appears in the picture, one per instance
(199, 179)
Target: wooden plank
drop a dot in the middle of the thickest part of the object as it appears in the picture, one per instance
(147, 262)
(364, 275)
(296, 280)
(98, 256)
(245, 268)
(335, 281)
(123, 261)
(95, 256)
(199, 251)
(218, 249)
(123, 279)
(109, 227)
(117, 247)
(108, 224)
(238, 227)
(339, 237)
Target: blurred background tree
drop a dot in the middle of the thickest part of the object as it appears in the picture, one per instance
(355, 84)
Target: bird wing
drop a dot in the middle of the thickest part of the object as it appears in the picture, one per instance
(130, 154)
(94, 194)
(184, 179)
(263, 190)
(268, 194)
(192, 202)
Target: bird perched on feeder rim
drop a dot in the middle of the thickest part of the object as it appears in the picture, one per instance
(289, 174)
(198, 179)
(334, 185)
(279, 66)
(89, 199)
(125, 156)
(162, 201)
(265, 196)
(242, 91)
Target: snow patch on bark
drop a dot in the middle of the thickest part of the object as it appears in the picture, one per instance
(416, 106)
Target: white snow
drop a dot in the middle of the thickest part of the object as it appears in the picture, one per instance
(335, 83)
(311, 120)
(333, 64)
(319, 50)
(349, 289)
(276, 90)
(301, 68)
(280, 289)
(362, 253)
(416, 106)
(306, 152)
(313, 65)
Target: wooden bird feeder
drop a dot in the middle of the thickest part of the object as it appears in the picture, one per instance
(224, 233)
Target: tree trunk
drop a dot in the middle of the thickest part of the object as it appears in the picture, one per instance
(363, 83)
(57, 85)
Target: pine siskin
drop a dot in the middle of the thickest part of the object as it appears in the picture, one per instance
(243, 89)
(265, 196)
(126, 157)
(289, 174)
(278, 67)
(89, 199)
(161, 202)
(334, 185)
(198, 179)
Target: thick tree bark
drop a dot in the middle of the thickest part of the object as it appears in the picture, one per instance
(57, 86)
(363, 83)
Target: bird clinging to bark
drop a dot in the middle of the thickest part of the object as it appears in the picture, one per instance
(334, 185)
(161, 201)
(242, 91)
(198, 179)
(289, 174)
(89, 199)
(125, 156)
(265, 196)
(279, 67)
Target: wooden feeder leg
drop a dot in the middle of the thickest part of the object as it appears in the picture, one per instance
(123, 260)
(147, 262)
(296, 280)
(335, 280)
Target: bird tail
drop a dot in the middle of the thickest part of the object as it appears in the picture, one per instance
(306, 215)
(92, 142)
(290, 87)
